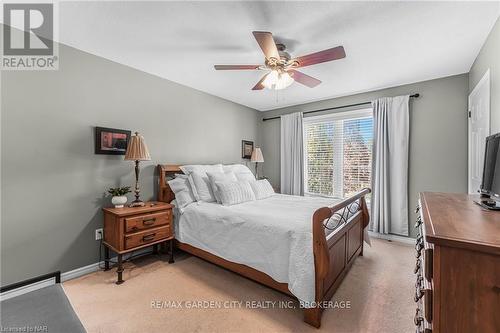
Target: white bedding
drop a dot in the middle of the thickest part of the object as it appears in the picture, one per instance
(272, 235)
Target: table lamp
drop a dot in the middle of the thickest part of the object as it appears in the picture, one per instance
(137, 151)
(257, 157)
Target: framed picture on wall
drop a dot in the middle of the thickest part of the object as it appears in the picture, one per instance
(246, 149)
(111, 141)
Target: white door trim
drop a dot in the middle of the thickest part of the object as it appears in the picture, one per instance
(484, 80)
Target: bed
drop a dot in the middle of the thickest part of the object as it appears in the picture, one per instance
(301, 246)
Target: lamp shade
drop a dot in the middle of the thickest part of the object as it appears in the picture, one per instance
(257, 155)
(137, 149)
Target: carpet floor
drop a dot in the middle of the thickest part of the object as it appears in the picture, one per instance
(375, 296)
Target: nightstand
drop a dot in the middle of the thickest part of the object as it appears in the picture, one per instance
(132, 228)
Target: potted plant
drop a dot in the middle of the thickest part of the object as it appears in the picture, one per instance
(119, 199)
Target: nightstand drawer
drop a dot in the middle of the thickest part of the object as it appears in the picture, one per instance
(140, 222)
(147, 236)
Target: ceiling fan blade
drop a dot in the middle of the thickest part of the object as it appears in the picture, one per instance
(267, 44)
(259, 85)
(321, 56)
(304, 79)
(235, 67)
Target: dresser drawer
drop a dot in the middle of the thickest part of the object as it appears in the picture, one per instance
(428, 261)
(147, 236)
(140, 222)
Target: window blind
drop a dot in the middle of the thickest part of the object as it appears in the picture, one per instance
(338, 153)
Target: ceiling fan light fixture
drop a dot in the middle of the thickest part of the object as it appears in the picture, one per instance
(277, 80)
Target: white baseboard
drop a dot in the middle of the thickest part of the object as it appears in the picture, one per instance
(73, 274)
(46, 283)
(69, 275)
(393, 238)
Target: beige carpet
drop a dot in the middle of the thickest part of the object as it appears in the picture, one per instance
(379, 288)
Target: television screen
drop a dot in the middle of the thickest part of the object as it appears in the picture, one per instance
(491, 170)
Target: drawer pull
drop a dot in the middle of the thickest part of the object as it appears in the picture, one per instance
(419, 222)
(419, 293)
(417, 267)
(419, 253)
(419, 249)
(149, 221)
(149, 237)
(417, 320)
(418, 284)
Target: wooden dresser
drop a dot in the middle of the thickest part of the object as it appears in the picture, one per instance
(132, 228)
(458, 265)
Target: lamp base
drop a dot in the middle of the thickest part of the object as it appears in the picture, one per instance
(137, 203)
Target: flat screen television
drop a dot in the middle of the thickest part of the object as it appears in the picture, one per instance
(490, 184)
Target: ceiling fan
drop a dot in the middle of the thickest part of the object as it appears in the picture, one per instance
(281, 66)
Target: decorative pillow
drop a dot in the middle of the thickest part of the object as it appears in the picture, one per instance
(183, 193)
(214, 177)
(202, 189)
(232, 193)
(262, 189)
(241, 171)
(204, 168)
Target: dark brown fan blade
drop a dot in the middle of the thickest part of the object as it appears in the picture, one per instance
(235, 67)
(259, 85)
(321, 56)
(267, 44)
(304, 79)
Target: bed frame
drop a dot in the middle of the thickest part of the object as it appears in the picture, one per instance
(337, 241)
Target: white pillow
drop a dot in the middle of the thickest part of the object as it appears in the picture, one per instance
(232, 193)
(202, 189)
(262, 189)
(214, 177)
(182, 190)
(204, 168)
(241, 171)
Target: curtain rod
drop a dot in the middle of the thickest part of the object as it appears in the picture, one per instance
(334, 108)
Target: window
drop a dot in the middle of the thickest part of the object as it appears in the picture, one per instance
(338, 153)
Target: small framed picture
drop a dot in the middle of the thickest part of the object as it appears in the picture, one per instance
(111, 141)
(246, 149)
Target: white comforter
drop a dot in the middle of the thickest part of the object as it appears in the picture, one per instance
(272, 235)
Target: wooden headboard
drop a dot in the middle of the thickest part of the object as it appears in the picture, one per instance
(166, 172)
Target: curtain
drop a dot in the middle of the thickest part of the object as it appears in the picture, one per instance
(292, 154)
(389, 203)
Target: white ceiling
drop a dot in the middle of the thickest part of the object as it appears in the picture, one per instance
(387, 43)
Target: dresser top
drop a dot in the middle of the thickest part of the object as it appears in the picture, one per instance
(455, 220)
(151, 206)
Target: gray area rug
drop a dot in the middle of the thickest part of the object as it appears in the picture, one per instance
(43, 310)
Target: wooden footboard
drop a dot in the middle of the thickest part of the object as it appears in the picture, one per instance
(338, 234)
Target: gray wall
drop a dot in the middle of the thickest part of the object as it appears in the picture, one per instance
(489, 57)
(438, 134)
(52, 183)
